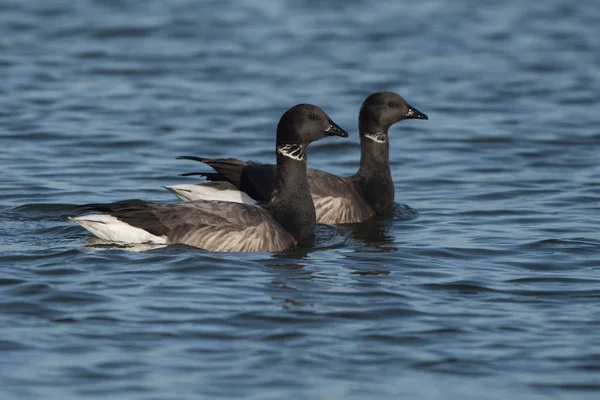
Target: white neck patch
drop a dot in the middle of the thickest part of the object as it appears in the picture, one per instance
(378, 137)
(294, 151)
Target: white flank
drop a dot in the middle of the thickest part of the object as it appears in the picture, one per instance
(109, 228)
(205, 192)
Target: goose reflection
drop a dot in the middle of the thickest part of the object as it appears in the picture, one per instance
(376, 232)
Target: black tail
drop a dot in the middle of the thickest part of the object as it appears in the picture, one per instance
(227, 169)
(108, 207)
(210, 176)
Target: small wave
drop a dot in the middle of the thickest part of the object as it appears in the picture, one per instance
(99, 244)
(46, 208)
(463, 287)
(403, 212)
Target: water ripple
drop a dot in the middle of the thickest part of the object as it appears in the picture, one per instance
(487, 268)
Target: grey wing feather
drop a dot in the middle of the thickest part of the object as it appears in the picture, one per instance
(211, 225)
(337, 199)
(326, 184)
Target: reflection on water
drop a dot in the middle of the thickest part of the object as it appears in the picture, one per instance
(496, 278)
(99, 244)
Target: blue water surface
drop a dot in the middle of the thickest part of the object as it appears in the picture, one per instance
(491, 293)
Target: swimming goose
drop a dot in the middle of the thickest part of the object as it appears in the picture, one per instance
(338, 200)
(287, 220)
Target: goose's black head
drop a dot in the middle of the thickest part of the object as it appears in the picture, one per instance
(383, 109)
(304, 124)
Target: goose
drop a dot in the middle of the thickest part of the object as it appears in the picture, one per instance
(286, 220)
(338, 200)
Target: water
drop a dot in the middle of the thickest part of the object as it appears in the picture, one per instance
(492, 292)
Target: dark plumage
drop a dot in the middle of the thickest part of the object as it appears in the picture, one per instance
(337, 199)
(285, 221)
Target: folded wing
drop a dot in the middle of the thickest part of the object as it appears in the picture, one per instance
(210, 225)
(337, 199)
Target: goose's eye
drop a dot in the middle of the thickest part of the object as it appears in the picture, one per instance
(392, 104)
(312, 116)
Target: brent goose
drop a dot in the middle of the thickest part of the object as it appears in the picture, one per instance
(287, 220)
(338, 200)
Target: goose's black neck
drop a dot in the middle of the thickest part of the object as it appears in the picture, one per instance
(292, 204)
(374, 178)
(291, 176)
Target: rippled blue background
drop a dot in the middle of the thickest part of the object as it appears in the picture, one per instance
(492, 292)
